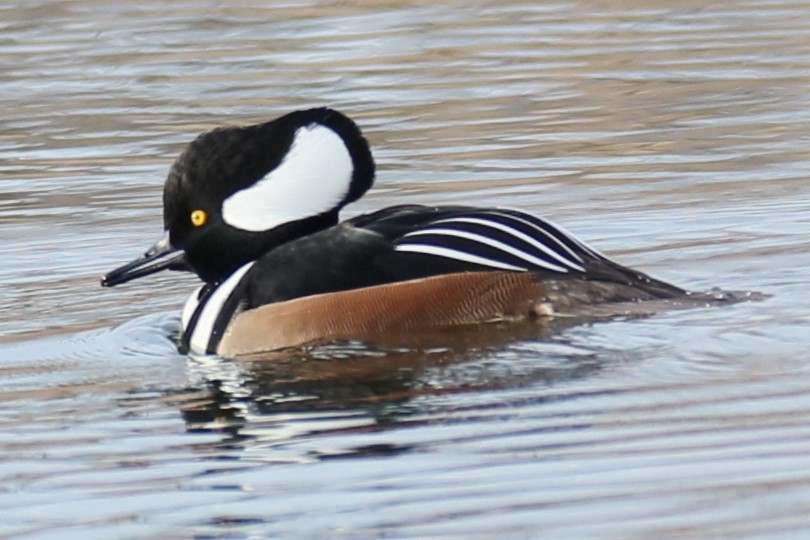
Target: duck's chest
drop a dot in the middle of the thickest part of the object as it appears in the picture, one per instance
(208, 311)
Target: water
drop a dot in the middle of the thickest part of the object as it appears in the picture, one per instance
(671, 136)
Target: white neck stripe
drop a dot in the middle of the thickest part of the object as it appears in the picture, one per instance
(314, 177)
(189, 308)
(201, 333)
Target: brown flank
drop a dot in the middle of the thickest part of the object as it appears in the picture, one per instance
(441, 301)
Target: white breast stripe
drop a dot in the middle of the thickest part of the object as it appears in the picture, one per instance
(314, 177)
(455, 254)
(525, 237)
(211, 308)
(190, 307)
(492, 243)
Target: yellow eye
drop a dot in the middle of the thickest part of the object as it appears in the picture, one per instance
(198, 218)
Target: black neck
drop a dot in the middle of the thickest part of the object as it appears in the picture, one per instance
(224, 255)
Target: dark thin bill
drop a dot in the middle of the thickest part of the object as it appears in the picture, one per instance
(144, 266)
(161, 256)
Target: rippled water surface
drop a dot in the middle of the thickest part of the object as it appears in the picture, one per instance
(671, 135)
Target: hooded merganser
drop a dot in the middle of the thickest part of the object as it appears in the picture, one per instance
(253, 211)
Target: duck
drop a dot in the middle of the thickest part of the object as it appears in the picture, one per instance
(254, 210)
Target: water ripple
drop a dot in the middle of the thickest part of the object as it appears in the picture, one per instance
(671, 136)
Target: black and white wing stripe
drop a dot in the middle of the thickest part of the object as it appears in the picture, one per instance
(499, 239)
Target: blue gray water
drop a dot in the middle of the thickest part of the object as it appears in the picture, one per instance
(670, 135)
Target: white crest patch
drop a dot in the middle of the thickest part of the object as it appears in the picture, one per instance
(313, 178)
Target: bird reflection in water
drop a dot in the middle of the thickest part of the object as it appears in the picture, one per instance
(277, 397)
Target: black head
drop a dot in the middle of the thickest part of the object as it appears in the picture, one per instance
(235, 193)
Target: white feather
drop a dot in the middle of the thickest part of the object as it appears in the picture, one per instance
(456, 254)
(526, 238)
(201, 333)
(493, 243)
(190, 307)
(312, 178)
